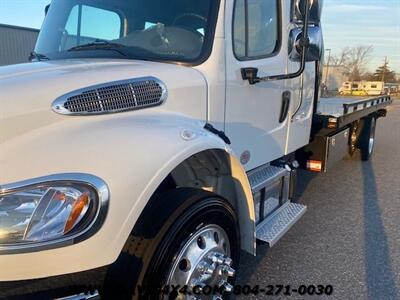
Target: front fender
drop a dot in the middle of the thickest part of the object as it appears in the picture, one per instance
(132, 152)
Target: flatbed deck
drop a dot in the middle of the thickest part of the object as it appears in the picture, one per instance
(335, 113)
(333, 126)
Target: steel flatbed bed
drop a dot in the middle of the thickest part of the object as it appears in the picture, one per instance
(334, 125)
(337, 113)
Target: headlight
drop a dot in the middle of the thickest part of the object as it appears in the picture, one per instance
(50, 209)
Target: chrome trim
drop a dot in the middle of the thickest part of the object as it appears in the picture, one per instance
(58, 104)
(83, 296)
(68, 179)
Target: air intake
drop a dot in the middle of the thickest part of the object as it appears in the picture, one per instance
(113, 97)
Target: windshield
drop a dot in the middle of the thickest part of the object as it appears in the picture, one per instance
(159, 30)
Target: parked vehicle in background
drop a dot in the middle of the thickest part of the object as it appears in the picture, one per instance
(392, 88)
(150, 142)
(362, 88)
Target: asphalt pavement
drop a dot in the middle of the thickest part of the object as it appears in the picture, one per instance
(350, 236)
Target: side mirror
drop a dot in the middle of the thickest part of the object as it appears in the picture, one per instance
(298, 11)
(315, 46)
(46, 9)
(301, 43)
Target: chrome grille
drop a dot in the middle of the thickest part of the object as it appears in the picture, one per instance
(113, 97)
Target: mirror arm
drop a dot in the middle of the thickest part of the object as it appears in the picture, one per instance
(250, 74)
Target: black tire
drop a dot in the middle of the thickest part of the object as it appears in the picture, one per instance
(367, 139)
(155, 242)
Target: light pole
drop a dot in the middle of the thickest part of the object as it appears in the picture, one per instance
(327, 67)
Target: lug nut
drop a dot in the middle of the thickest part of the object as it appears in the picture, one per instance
(217, 259)
(228, 287)
(228, 261)
(205, 268)
(209, 271)
(230, 272)
(197, 286)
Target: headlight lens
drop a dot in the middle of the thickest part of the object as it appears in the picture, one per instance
(46, 212)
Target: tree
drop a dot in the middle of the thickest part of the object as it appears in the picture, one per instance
(357, 60)
(353, 60)
(341, 59)
(368, 76)
(383, 73)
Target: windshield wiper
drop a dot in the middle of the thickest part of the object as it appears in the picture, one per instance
(37, 56)
(100, 45)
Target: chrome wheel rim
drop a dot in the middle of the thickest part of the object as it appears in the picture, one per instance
(353, 139)
(371, 141)
(203, 262)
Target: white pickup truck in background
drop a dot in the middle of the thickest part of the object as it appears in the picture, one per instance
(149, 142)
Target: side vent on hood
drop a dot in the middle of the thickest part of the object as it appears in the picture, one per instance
(113, 97)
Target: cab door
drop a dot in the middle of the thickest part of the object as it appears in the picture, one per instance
(255, 118)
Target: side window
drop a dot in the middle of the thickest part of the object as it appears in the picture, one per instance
(255, 28)
(88, 23)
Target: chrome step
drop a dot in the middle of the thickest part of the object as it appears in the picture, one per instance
(275, 226)
(270, 186)
(263, 176)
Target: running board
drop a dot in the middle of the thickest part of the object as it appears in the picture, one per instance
(264, 176)
(275, 226)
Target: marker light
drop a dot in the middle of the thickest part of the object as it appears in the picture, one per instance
(314, 165)
(77, 211)
(46, 212)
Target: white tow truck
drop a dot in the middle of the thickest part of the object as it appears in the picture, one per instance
(149, 142)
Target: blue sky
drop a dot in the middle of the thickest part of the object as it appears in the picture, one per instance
(364, 22)
(345, 23)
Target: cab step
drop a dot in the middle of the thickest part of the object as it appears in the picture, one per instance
(270, 186)
(276, 225)
(264, 176)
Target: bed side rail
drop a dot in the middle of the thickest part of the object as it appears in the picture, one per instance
(363, 104)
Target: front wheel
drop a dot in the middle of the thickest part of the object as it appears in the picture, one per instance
(193, 254)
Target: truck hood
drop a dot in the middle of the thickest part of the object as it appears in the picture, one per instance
(27, 91)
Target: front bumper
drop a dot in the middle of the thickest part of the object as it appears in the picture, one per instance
(83, 285)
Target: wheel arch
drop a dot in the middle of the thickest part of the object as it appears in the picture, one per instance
(133, 153)
(218, 171)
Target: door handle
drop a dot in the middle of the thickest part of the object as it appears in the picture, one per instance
(286, 96)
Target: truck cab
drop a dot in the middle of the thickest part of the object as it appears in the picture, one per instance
(209, 38)
(149, 142)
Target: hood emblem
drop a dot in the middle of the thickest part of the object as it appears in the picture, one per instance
(113, 97)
